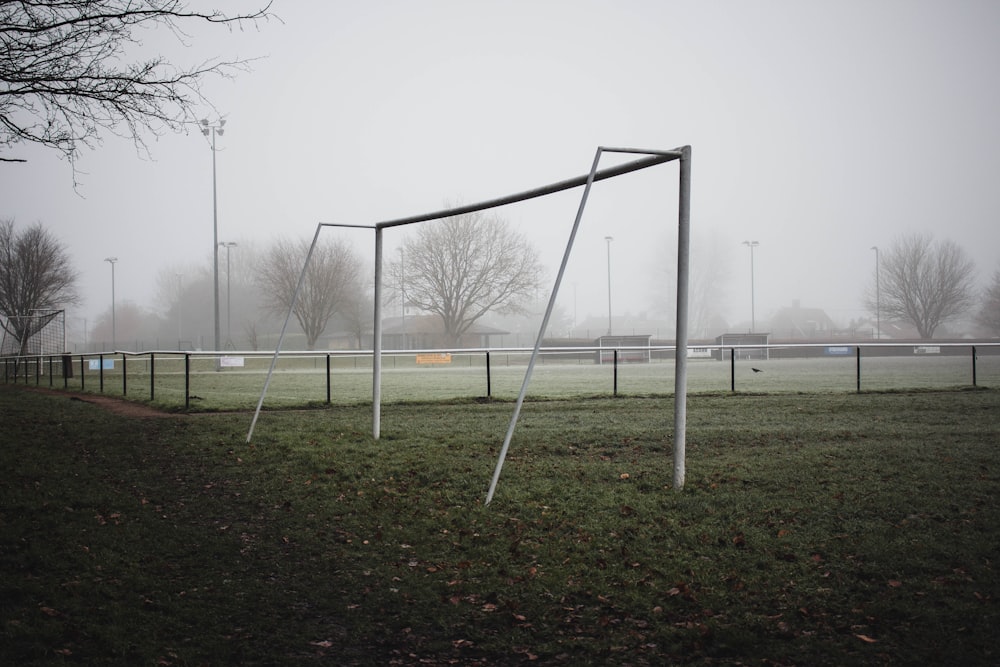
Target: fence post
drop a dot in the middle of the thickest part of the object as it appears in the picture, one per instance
(973, 365)
(187, 380)
(124, 377)
(615, 363)
(489, 382)
(858, 350)
(152, 376)
(100, 371)
(328, 378)
(52, 380)
(732, 369)
(83, 375)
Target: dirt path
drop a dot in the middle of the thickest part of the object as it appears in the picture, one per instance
(118, 406)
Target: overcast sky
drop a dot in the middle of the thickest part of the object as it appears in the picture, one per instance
(818, 129)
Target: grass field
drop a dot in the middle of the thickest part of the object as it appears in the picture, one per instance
(821, 529)
(303, 381)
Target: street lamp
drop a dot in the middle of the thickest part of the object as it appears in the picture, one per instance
(402, 295)
(753, 305)
(229, 330)
(878, 299)
(213, 129)
(114, 332)
(609, 239)
(180, 305)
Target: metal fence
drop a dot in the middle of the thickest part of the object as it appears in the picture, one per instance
(234, 380)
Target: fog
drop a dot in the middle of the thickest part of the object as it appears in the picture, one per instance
(818, 130)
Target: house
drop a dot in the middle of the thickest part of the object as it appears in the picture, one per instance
(798, 322)
(426, 332)
(735, 340)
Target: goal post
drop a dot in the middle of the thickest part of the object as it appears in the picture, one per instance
(649, 158)
(680, 367)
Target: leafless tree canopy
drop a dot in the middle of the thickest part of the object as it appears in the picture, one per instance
(35, 274)
(67, 70)
(465, 266)
(924, 283)
(331, 283)
(988, 316)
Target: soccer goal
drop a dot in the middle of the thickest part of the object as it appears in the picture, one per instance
(649, 158)
(23, 337)
(38, 334)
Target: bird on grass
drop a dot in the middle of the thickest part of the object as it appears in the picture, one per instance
(756, 370)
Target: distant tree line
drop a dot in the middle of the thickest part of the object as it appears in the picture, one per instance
(459, 269)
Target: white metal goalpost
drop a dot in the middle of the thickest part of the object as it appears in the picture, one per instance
(651, 158)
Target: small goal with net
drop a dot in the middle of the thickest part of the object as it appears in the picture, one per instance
(27, 337)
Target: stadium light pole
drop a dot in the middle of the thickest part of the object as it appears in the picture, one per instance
(180, 305)
(878, 299)
(114, 332)
(213, 129)
(609, 239)
(228, 245)
(753, 305)
(402, 295)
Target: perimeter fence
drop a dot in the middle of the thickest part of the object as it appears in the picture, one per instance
(234, 380)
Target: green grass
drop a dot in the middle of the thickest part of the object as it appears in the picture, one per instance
(301, 382)
(825, 529)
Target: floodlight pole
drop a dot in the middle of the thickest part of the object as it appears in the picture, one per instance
(114, 324)
(214, 129)
(180, 306)
(609, 239)
(228, 245)
(878, 299)
(402, 297)
(753, 306)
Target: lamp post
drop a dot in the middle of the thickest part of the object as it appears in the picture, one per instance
(213, 129)
(229, 309)
(114, 332)
(753, 305)
(402, 296)
(878, 299)
(180, 305)
(609, 239)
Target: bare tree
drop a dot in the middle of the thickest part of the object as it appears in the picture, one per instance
(709, 274)
(331, 283)
(923, 282)
(68, 71)
(988, 316)
(466, 266)
(357, 315)
(35, 275)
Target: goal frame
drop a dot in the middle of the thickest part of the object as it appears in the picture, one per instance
(33, 342)
(650, 158)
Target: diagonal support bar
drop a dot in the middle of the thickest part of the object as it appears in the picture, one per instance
(284, 328)
(680, 375)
